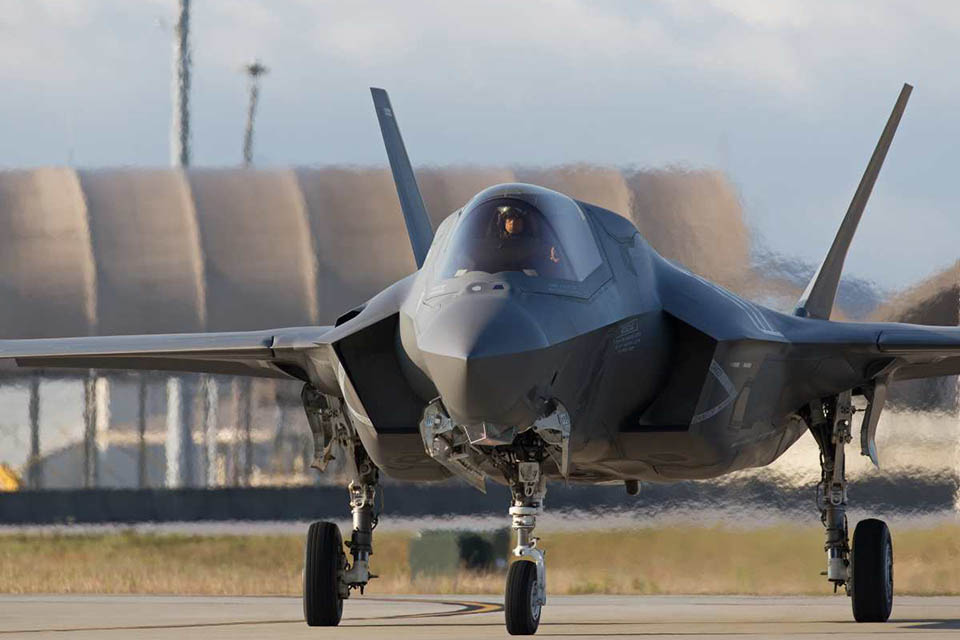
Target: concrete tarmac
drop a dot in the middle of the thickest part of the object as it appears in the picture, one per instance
(465, 617)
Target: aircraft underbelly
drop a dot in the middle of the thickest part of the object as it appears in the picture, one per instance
(718, 408)
(693, 454)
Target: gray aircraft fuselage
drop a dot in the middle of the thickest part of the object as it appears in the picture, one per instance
(665, 375)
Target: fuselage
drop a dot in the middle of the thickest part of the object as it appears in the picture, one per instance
(665, 376)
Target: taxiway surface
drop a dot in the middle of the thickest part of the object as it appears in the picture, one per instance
(465, 617)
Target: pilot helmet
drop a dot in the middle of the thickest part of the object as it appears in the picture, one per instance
(510, 220)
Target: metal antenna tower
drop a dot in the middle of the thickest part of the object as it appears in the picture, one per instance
(253, 70)
(180, 128)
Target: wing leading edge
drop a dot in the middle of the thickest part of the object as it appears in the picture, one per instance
(279, 353)
(921, 352)
(867, 357)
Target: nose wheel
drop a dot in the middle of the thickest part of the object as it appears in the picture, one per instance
(522, 600)
(526, 591)
(872, 568)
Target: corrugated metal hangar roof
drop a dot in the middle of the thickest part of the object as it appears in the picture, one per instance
(163, 250)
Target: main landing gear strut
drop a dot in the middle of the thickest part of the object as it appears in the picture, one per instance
(328, 578)
(865, 569)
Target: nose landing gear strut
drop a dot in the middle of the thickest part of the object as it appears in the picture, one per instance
(526, 589)
(464, 450)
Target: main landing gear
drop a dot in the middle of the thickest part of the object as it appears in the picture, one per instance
(865, 571)
(328, 578)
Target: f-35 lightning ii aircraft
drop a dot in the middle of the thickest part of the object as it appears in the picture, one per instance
(542, 338)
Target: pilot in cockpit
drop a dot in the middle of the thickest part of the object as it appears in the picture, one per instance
(511, 222)
(515, 235)
(507, 234)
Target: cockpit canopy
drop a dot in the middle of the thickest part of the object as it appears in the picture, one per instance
(522, 228)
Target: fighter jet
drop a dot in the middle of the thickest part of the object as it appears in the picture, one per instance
(542, 339)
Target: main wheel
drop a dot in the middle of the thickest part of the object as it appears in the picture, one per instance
(872, 568)
(323, 563)
(521, 604)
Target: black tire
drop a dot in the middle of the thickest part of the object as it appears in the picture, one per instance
(522, 612)
(323, 561)
(871, 563)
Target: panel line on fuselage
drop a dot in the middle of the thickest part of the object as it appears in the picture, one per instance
(756, 316)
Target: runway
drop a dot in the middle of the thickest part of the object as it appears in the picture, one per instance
(464, 617)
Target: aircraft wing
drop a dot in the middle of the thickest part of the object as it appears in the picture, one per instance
(277, 353)
(921, 352)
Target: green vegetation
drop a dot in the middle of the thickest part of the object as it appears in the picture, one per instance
(781, 559)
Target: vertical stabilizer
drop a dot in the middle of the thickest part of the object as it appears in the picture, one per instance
(411, 202)
(817, 300)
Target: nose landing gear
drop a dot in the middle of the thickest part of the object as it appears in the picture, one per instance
(526, 589)
(467, 450)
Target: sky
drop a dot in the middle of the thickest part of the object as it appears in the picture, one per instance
(788, 97)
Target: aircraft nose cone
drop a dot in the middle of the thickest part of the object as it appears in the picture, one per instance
(485, 356)
(476, 326)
